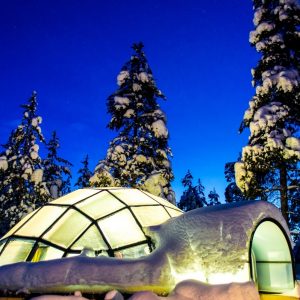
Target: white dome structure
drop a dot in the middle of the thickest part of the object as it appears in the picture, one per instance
(96, 221)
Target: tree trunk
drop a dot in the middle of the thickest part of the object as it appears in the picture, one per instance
(283, 193)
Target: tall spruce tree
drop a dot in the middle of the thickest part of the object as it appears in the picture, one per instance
(193, 197)
(273, 116)
(84, 174)
(57, 174)
(22, 188)
(139, 156)
(214, 198)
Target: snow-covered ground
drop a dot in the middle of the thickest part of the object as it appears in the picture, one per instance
(186, 290)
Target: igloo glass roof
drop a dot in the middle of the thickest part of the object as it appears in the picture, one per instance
(103, 220)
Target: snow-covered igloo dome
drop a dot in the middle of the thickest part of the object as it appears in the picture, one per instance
(99, 221)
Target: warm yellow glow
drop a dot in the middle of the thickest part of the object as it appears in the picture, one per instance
(109, 204)
(75, 196)
(173, 212)
(178, 277)
(213, 278)
(41, 221)
(152, 215)
(91, 240)
(242, 275)
(37, 255)
(133, 197)
(67, 229)
(18, 225)
(121, 229)
(16, 251)
(104, 218)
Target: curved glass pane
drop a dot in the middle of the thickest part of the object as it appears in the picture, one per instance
(74, 197)
(162, 201)
(91, 239)
(133, 197)
(43, 219)
(121, 229)
(18, 225)
(16, 251)
(67, 229)
(173, 212)
(269, 243)
(150, 215)
(100, 205)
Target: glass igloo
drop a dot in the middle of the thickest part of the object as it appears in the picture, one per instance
(98, 221)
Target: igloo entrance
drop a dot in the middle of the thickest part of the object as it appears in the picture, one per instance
(271, 260)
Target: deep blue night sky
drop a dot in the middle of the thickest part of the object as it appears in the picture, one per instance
(70, 52)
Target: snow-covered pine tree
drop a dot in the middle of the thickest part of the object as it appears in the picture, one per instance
(57, 173)
(22, 188)
(214, 198)
(273, 115)
(294, 204)
(232, 192)
(193, 197)
(139, 156)
(85, 174)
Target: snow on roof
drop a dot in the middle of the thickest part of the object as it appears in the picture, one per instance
(200, 244)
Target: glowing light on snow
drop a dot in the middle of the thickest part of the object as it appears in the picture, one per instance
(220, 278)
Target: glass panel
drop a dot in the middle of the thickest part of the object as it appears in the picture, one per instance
(121, 229)
(16, 251)
(45, 252)
(100, 205)
(269, 243)
(173, 212)
(133, 197)
(150, 215)
(275, 277)
(91, 240)
(74, 197)
(19, 224)
(43, 219)
(133, 252)
(67, 229)
(162, 201)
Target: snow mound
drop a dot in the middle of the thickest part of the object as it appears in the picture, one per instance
(196, 290)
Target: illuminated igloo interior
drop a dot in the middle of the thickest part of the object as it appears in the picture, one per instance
(102, 221)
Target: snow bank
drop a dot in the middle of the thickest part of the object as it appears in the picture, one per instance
(196, 290)
(186, 290)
